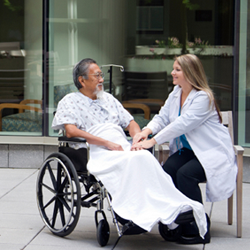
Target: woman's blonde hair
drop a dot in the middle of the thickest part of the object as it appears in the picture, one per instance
(194, 73)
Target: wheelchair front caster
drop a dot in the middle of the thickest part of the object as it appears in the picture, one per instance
(103, 232)
(169, 235)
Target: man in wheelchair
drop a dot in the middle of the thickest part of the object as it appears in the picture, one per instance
(141, 191)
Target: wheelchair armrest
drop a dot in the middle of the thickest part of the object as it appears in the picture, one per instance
(72, 139)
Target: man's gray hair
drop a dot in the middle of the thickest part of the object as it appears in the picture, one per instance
(82, 69)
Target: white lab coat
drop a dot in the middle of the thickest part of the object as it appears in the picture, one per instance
(209, 139)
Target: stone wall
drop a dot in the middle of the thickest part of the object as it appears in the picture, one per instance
(24, 156)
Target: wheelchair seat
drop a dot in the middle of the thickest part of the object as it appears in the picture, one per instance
(79, 157)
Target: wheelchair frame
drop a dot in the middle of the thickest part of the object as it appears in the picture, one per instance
(59, 195)
(60, 198)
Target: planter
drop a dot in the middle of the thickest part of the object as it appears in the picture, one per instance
(146, 50)
(214, 51)
(209, 51)
(149, 65)
(173, 51)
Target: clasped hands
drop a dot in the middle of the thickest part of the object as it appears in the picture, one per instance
(140, 142)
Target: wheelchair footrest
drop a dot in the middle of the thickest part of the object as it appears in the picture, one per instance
(88, 204)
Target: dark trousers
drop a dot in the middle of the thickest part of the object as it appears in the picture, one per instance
(186, 172)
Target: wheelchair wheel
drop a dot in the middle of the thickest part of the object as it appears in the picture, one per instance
(102, 232)
(169, 235)
(58, 194)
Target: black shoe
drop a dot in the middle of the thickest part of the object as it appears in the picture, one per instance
(190, 229)
(196, 239)
(168, 234)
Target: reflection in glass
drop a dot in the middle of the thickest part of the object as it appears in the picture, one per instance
(21, 68)
(204, 28)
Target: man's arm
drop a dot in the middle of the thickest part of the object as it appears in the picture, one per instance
(133, 128)
(73, 131)
(139, 138)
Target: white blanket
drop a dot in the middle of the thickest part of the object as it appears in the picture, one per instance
(141, 191)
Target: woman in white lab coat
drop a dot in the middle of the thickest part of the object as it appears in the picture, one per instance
(200, 146)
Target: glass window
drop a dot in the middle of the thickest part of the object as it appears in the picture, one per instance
(142, 36)
(21, 67)
(204, 28)
(244, 76)
(80, 29)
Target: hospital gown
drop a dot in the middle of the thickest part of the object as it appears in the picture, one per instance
(141, 191)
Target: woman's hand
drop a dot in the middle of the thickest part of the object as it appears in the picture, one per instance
(143, 145)
(141, 136)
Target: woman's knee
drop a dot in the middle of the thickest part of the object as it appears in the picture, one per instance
(172, 164)
(169, 168)
(192, 170)
(182, 176)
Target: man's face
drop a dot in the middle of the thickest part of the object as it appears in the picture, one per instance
(93, 84)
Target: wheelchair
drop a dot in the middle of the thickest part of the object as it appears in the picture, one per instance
(64, 186)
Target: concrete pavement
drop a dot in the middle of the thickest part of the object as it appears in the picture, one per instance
(21, 226)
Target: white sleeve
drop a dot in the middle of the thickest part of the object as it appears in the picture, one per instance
(198, 112)
(66, 113)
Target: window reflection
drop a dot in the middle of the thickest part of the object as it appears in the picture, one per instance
(204, 28)
(144, 37)
(21, 68)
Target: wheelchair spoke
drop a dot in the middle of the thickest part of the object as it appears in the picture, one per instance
(66, 193)
(61, 210)
(54, 214)
(49, 188)
(63, 202)
(53, 179)
(63, 184)
(59, 176)
(48, 203)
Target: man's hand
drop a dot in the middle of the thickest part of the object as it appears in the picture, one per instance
(73, 131)
(113, 146)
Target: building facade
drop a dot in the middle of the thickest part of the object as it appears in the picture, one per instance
(41, 41)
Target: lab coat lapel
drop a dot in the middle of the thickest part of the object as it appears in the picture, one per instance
(177, 101)
(189, 99)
